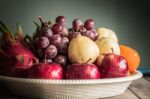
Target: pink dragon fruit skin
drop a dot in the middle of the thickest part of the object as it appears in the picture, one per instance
(21, 53)
(15, 52)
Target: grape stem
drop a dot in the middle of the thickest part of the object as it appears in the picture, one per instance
(41, 20)
(45, 59)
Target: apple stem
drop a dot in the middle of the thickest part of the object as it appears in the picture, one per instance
(112, 50)
(87, 61)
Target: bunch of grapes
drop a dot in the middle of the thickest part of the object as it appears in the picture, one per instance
(86, 29)
(51, 41)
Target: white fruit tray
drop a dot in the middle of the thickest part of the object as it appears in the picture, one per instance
(69, 89)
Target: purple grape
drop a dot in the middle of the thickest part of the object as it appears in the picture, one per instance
(83, 29)
(64, 32)
(57, 28)
(60, 59)
(64, 45)
(73, 35)
(61, 20)
(47, 60)
(96, 34)
(77, 24)
(91, 34)
(65, 40)
(55, 40)
(51, 51)
(42, 42)
(46, 31)
(89, 24)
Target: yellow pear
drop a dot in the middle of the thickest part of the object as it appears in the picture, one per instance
(108, 45)
(104, 32)
(82, 50)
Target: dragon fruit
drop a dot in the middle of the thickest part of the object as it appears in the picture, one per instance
(14, 52)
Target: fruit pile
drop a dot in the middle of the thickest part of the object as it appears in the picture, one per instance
(56, 52)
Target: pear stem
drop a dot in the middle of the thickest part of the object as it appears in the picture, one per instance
(88, 61)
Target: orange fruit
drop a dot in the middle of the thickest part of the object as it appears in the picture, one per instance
(132, 57)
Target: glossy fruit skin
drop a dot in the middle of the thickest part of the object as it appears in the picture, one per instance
(61, 20)
(108, 45)
(44, 31)
(61, 59)
(73, 34)
(113, 66)
(104, 32)
(46, 71)
(82, 71)
(42, 42)
(55, 40)
(89, 24)
(92, 34)
(82, 49)
(64, 32)
(64, 45)
(132, 57)
(57, 28)
(51, 51)
(77, 25)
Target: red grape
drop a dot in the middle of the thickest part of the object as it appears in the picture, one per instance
(64, 45)
(72, 34)
(46, 31)
(51, 51)
(95, 33)
(61, 20)
(64, 32)
(89, 24)
(61, 59)
(91, 34)
(57, 28)
(42, 42)
(77, 24)
(55, 40)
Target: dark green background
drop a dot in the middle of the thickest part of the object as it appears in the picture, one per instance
(129, 19)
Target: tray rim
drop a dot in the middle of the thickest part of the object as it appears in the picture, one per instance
(133, 76)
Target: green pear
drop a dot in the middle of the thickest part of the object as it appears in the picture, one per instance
(108, 45)
(82, 50)
(104, 32)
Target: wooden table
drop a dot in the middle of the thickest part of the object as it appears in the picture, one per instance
(139, 89)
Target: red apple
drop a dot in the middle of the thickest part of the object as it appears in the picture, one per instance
(82, 71)
(46, 71)
(113, 66)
